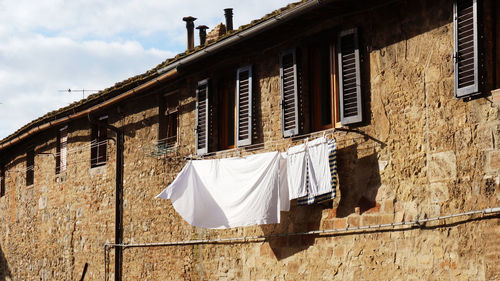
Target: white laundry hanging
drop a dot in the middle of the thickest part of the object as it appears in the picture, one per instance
(231, 192)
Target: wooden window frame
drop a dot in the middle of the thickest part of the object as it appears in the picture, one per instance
(168, 128)
(30, 167)
(98, 150)
(61, 159)
(2, 180)
(226, 104)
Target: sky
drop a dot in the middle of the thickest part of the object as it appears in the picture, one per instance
(50, 46)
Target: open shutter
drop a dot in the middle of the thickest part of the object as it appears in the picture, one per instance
(244, 106)
(64, 148)
(349, 77)
(289, 93)
(466, 48)
(202, 117)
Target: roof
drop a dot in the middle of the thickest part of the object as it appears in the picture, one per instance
(137, 80)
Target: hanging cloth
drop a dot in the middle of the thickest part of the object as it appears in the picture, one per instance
(325, 186)
(225, 193)
(296, 171)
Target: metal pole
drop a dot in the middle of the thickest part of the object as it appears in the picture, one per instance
(118, 195)
(119, 205)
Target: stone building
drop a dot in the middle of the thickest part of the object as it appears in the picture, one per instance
(409, 90)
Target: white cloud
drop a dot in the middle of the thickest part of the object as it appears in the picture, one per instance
(52, 45)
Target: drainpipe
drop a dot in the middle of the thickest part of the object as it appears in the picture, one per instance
(118, 195)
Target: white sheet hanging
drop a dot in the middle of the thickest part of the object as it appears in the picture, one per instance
(296, 171)
(319, 168)
(231, 192)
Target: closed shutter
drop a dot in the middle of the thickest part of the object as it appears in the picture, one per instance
(466, 48)
(201, 129)
(289, 93)
(244, 106)
(64, 149)
(349, 77)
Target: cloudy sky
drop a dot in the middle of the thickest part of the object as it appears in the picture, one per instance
(49, 46)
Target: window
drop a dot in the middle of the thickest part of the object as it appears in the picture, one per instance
(466, 48)
(99, 143)
(226, 112)
(62, 150)
(30, 167)
(332, 83)
(168, 120)
(202, 114)
(2, 181)
(232, 123)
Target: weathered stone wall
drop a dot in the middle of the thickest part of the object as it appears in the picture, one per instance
(420, 153)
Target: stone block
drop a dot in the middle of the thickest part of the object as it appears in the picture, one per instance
(494, 161)
(439, 192)
(340, 223)
(353, 221)
(442, 166)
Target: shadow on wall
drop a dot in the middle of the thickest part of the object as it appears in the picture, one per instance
(5, 273)
(359, 184)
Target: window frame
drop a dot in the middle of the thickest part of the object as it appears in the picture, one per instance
(60, 160)
(167, 119)
(98, 150)
(30, 167)
(2, 180)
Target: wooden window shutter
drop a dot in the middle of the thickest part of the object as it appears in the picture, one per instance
(289, 93)
(244, 106)
(202, 115)
(62, 150)
(349, 77)
(466, 48)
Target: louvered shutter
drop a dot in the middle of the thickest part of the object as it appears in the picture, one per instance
(289, 93)
(244, 106)
(202, 117)
(349, 77)
(466, 48)
(64, 149)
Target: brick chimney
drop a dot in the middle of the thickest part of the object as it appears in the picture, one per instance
(203, 33)
(190, 31)
(228, 13)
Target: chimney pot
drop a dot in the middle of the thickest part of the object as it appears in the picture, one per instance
(190, 31)
(228, 13)
(203, 33)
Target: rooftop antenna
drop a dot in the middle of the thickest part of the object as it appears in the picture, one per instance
(69, 91)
